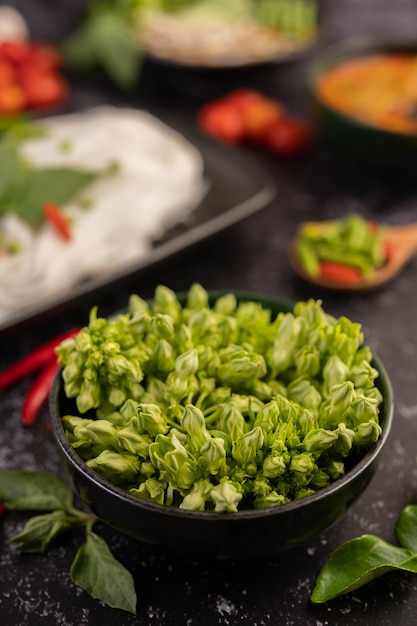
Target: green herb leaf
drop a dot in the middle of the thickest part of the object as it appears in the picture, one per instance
(104, 39)
(25, 189)
(33, 491)
(356, 563)
(41, 530)
(97, 571)
(406, 528)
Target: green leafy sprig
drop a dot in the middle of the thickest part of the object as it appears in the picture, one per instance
(363, 559)
(94, 568)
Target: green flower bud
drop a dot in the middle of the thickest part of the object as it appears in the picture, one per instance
(304, 393)
(96, 431)
(335, 371)
(118, 467)
(197, 297)
(362, 409)
(319, 440)
(116, 396)
(193, 422)
(307, 361)
(226, 497)
(132, 441)
(198, 496)
(273, 466)
(270, 500)
(172, 459)
(261, 487)
(363, 375)
(281, 354)
(89, 397)
(302, 463)
(166, 302)
(151, 420)
(152, 490)
(367, 433)
(345, 438)
(239, 367)
(163, 358)
(226, 305)
(341, 397)
(245, 449)
(186, 364)
(267, 417)
(231, 421)
(213, 456)
(162, 326)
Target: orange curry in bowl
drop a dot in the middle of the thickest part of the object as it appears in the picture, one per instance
(380, 90)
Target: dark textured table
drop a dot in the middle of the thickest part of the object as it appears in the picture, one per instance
(35, 589)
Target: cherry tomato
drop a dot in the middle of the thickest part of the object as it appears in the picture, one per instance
(43, 89)
(258, 116)
(221, 120)
(45, 56)
(12, 99)
(8, 73)
(242, 98)
(288, 137)
(15, 51)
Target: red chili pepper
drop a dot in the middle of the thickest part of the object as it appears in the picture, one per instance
(58, 219)
(339, 272)
(38, 393)
(2, 510)
(34, 360)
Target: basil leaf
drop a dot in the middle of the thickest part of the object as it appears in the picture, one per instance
(33, 491)
(406, 528)
(41, 530)
(24, 190)
(356, 563)
(38, 186)
(97, 571)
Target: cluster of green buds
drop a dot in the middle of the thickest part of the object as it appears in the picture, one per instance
(219, 406)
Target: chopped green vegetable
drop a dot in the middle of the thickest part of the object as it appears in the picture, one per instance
(219, 403)
(351, 241)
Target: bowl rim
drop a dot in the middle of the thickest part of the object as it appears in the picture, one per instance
(334, 52)
(246, 514)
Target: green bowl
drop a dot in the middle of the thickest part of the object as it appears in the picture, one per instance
(200, 534)
(351, 137)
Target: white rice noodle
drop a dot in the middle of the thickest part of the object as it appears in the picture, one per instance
(159, 182)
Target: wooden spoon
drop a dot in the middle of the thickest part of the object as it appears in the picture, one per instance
(403, 241)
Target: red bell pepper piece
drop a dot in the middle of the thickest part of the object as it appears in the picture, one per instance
(38, 393)
(339, 272)
(33, 361)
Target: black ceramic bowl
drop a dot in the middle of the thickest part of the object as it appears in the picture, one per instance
(365, 144)
(249, 533)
